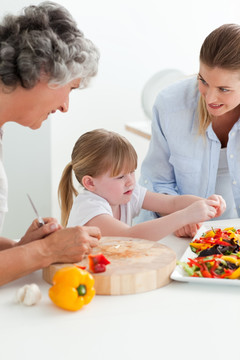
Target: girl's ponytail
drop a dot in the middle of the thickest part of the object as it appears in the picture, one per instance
(66, 191)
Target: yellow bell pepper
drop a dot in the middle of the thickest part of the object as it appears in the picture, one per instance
(229, 228)
(72, 288)
(231, 259)
(209, 233)
(200, 246)
(235, 274)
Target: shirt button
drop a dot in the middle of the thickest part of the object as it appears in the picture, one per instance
(233, 133)
(234, 182)
(145, 181)
(231, 156)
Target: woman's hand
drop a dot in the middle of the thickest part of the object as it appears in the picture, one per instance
(72, 244)
(188, 230)
(36, 232)
(62, 245)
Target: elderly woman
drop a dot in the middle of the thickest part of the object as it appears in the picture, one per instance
(43, 56)
(195, 147)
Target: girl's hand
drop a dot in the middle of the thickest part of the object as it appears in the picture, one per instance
(221, 207)
(214, 206)
(201, 210)
(35, 232)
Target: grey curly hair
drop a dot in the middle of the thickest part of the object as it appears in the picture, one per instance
(44, 41)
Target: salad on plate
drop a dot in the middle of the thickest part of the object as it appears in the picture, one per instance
(216, 254)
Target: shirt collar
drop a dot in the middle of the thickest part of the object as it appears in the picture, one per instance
(211, 134)
(237, 124)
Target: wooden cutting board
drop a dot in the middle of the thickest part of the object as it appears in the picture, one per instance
(137, 266)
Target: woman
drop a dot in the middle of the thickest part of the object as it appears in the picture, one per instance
(195, 147)
(43, 56)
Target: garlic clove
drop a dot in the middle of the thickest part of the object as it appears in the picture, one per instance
(28, 295)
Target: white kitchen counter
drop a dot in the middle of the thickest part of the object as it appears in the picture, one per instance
(179, 321)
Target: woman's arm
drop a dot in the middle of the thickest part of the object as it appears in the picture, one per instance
(6, 243)
(34, 232)
(201, 210)
(64, 245)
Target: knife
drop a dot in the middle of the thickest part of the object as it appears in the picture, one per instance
(40, 219)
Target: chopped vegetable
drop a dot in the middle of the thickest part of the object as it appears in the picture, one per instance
(217, 241)
(218, 255)
(97, 263)
(235, 274)
(81, 267)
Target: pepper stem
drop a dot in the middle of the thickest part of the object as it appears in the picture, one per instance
(82, 290)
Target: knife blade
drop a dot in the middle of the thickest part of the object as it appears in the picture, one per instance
(40, 219)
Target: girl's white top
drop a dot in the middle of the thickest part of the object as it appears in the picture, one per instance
(87, 205)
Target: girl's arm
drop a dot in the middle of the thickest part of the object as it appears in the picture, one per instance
(201, 210)
(166, 204)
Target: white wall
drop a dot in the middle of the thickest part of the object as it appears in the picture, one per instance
(136, 39)
(27, 160)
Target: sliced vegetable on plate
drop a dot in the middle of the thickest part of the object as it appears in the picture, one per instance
(216, 254)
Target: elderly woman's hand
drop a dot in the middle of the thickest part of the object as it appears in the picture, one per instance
(35, 232)
(71, 244)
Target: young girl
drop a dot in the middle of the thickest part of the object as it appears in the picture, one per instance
(104, 163)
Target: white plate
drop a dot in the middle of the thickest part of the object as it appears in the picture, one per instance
(180, 275)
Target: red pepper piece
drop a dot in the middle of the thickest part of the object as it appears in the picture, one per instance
(97, 263)
(206, 274)
(192, 262)
(227, 273)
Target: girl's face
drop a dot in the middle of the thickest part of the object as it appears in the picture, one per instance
(220, 89)
(116, 190)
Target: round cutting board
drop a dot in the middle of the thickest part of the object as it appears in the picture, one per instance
(137, 266)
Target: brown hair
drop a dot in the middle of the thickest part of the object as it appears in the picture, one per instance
(94, 153)
(221, 48)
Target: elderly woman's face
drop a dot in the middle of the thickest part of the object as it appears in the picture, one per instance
(34, 105)
(220, 89)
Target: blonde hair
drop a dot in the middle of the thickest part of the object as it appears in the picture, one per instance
(221, 48)
(94, 153)
(203, 116)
